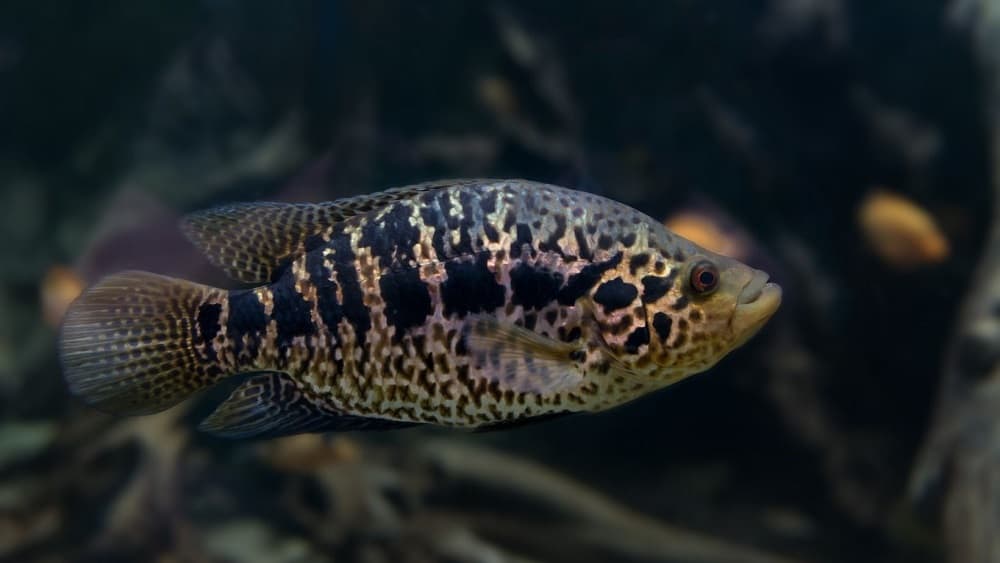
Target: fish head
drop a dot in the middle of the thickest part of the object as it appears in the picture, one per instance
(695, 307)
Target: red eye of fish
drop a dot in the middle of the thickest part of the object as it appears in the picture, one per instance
(704, 277)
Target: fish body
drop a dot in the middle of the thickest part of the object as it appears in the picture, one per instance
(475, 303)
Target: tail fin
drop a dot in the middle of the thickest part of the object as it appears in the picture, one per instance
(137, 343)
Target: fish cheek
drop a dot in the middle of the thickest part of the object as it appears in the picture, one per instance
(661, 333)
(675, 338)
(659, 322)
(663, 324)
(713, 317)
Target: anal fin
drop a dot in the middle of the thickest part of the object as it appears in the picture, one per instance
(269, 405)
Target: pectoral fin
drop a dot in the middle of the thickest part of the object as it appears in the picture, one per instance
(521, 360)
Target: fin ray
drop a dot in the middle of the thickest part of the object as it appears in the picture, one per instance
(126, 343)
(270, 404)
(251, 242)
(520, 359)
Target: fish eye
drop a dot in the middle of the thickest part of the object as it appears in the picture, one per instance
(704, 277)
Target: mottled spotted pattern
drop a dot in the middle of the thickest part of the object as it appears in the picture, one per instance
(371, 321)
(467, 304)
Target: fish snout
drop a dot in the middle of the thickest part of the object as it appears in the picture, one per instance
(756, 303)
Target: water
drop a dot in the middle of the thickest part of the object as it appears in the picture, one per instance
(773, 121)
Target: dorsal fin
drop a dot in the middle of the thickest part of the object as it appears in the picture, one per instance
(252, 241)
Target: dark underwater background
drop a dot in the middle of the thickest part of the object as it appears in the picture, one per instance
(774, 120)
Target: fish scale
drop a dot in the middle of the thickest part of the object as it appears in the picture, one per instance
(472, 303)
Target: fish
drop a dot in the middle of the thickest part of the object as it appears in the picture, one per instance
(710, 227)
(900, 232)
(59, 287)
(477, 304)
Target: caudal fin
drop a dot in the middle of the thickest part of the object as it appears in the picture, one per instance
(137, 343)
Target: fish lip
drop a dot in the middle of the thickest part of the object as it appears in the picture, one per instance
(754, 288)
(757, 302)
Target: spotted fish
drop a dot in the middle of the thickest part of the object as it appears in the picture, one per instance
(466, 303)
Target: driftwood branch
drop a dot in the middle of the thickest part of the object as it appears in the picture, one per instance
(963, 449)
(600, 522)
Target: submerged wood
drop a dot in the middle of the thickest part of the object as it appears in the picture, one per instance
(963, 449)
(601, 522)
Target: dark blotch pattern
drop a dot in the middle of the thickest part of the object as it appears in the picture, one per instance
(209, 326)
(551, 244)
(467, 222)
(291, 313)
(681, 302)
(350, 287)
(583, 281)
(615, 294)
(534, 288)
(655, 287)
(530, 320)
(637, 262)
(491, 233)
(522, 238)
(314, 241)
(509, 220)
(662, 325)
(392, 236)
(488, 204)
(581, 241)
(407, 299)
(208, 321)
(574, 333)
(246, 318)
(638, 337)
(471, 287)
(431, 216)
(330, 311)
(552, 316)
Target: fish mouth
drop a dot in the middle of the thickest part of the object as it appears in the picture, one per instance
(754, 288)
(756, 303)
